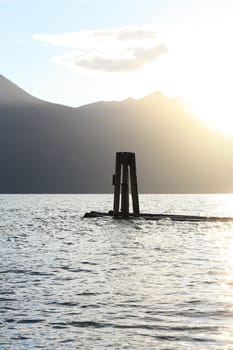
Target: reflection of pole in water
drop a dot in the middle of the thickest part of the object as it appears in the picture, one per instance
(125, 170)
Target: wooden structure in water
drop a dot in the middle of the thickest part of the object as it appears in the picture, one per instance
(124, 178)
(125, 182)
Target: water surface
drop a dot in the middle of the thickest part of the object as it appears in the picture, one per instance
(73, 283)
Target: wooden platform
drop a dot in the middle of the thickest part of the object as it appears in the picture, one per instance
(149, 216)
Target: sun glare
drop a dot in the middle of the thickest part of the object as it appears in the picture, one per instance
(199, 63)
(216, 112)
(211, 98)
(210, 90)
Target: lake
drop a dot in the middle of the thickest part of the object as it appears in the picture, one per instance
(73, 283)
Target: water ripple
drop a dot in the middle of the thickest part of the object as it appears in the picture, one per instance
(70, 283)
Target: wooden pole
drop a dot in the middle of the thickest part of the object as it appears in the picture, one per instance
(125, 188)
(117, 184)
(125, 166)
(134, 186)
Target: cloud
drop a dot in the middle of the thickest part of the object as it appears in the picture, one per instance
(108, 50)
(134, 59)
(93, 38)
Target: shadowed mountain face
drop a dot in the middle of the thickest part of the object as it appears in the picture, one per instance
(50, 148)
(11, 94)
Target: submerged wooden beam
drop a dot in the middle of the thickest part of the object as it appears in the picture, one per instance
(173, 217)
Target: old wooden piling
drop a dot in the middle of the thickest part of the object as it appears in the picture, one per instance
(134, 185)
(124, 180)
(117, 184)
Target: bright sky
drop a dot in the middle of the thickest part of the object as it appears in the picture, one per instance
(79, 51)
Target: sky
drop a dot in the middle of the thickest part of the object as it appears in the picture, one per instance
(75, 52)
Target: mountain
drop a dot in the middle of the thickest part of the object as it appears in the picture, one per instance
(50, 148)
(11, 94)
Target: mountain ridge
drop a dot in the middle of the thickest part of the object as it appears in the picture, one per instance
(52, 148)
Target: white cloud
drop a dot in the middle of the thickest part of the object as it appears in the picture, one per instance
(98, 38)
(133, 59)
(108, 50)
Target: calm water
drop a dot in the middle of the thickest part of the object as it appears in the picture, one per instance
(73, 283)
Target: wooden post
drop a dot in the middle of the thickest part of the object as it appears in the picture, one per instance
(125, 165)
(134, 186)
(117, 184)
(125, 188)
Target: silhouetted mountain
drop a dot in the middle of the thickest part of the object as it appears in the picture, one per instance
(50, 148)
(12, 94)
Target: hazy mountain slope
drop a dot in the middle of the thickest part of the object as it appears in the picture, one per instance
(11, 94)
(46, 147)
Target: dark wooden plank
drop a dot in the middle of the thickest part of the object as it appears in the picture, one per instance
(173, 217)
